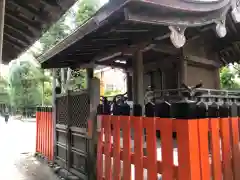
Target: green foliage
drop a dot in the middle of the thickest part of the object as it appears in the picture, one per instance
(79, 79)
(86, 9)
(228, 79)
(55, 34)
(112, 93)
(25, 82)
(47, 93)
(4, 97)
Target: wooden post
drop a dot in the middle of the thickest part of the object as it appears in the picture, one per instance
(90, 73)
(94, 93)
(188, 150)
(138, 92)
(129, 86)
(2, 15)
(54, 111)
(183, 70)
(217, 81)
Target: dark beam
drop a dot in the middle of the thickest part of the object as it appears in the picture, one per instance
(109, 39)
(50, 2)
(107, 56)
(120, 51)
(55, 7)
(8, 57)
(12, 44)
(201, 60)
(165, 49)
(155, 65)
(24, 43)
(16, 35)
(33, 26)
(2, 21)
(41, 17)
(29, 35)
(112, 64)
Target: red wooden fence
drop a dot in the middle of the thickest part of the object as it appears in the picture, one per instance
(205, 149)
(44, 135)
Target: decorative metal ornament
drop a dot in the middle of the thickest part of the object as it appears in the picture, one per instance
(221, 29)
(212, 12)
(177, 36)
(235, 15)
(235, 11)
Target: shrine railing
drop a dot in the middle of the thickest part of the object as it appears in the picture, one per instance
(204, 148)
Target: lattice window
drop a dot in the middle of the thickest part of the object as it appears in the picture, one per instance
(62, 110)
(80, 108)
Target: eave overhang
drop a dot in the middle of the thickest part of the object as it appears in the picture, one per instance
(115, 29)
(26, 21)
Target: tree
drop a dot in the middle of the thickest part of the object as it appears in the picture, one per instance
(47, 94)
(86, 9)
(228, 79)
(55, 34)
(25, 84)
(4, 97)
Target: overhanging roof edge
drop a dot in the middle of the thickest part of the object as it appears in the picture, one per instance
(80, 32)
(96, 20)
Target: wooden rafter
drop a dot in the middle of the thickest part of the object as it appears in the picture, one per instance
(42, 17)
(28, 34)
(13, 45)
(17, 35)
(25, 21)
(17, 17)
(24, 43)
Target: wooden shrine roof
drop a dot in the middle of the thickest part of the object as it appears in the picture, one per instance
(117, 30)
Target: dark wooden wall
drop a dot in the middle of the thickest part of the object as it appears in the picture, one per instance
(202, 64)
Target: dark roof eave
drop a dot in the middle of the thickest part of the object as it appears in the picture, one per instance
(103, 16)
(26, 22)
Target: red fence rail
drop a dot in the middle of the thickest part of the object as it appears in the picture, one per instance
(44, 133)
(204, 149)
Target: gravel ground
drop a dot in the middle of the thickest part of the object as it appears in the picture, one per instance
(17, 145)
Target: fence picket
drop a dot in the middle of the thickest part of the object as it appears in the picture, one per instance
(235, 148)
(100, 152)
(37, 131)
(166, 129)
(44, 133)
(193, 148)
(215, 148)
(226, 150)
(203, 128)
(126, 127)
(138, 146)
(149, 124)
(116, 148)
(188, 149)
(107, 148)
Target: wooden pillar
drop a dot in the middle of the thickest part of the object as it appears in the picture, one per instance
(90, 74)
(54, 114)
(94, 93)
(217, 81)
(129, 86)
(152, 79)
(183, 70)
(2, 15)
(138, 92)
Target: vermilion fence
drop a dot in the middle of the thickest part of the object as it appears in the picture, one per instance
(204, 149)
(44, 135)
